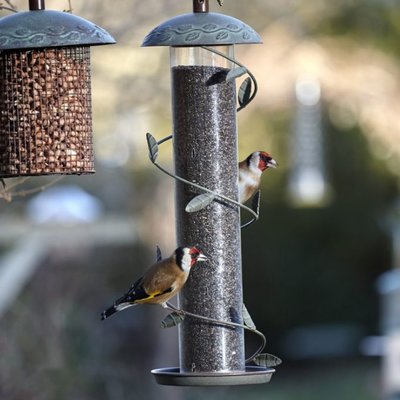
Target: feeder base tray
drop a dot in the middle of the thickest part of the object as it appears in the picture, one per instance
(252, 375)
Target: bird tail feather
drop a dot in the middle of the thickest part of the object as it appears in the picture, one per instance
(115, 308)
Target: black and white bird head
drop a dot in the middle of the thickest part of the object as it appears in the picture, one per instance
(187, 257)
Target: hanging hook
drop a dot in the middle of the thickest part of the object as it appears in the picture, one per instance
(36, 5)
(200, 6)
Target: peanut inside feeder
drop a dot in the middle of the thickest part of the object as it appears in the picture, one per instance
(45, 112)
(45, 93)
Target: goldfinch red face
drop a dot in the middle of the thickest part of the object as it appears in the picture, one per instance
(189, 257)
(196, 256)
(265, 161)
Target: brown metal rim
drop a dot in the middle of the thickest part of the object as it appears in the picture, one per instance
(22, 175)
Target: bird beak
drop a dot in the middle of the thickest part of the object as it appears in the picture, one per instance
(202, 257)
(272, 163)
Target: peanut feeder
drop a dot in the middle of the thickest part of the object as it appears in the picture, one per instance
(45, 92)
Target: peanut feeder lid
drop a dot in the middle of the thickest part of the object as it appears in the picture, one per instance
(39, 28)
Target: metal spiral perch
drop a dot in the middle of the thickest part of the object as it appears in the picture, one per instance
(207, 207)
(178, 315)
(245, 97)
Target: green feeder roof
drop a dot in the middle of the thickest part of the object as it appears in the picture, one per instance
(201, 29)
(47, 28)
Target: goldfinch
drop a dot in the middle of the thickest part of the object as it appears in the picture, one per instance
(160, 282)
(250, 171)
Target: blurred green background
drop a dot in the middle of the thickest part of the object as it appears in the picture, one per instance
(309, 268)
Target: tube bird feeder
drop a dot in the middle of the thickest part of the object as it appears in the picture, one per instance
(205, 152)
(45, 92)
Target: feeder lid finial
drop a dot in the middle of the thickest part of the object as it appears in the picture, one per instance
(200, 6)
(36, 5)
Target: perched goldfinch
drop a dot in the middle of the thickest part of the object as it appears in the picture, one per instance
(160, 282)
(250, 171)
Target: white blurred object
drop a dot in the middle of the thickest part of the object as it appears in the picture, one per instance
(391, 365)
(388, 286)
(307, 180)
(64, 204)
(308, 91)
(308, 187)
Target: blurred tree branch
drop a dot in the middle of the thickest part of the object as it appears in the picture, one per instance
(10, 6)
(8, 195)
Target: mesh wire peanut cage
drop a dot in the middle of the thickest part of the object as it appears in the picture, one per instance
(45, 112)
(45, 93)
